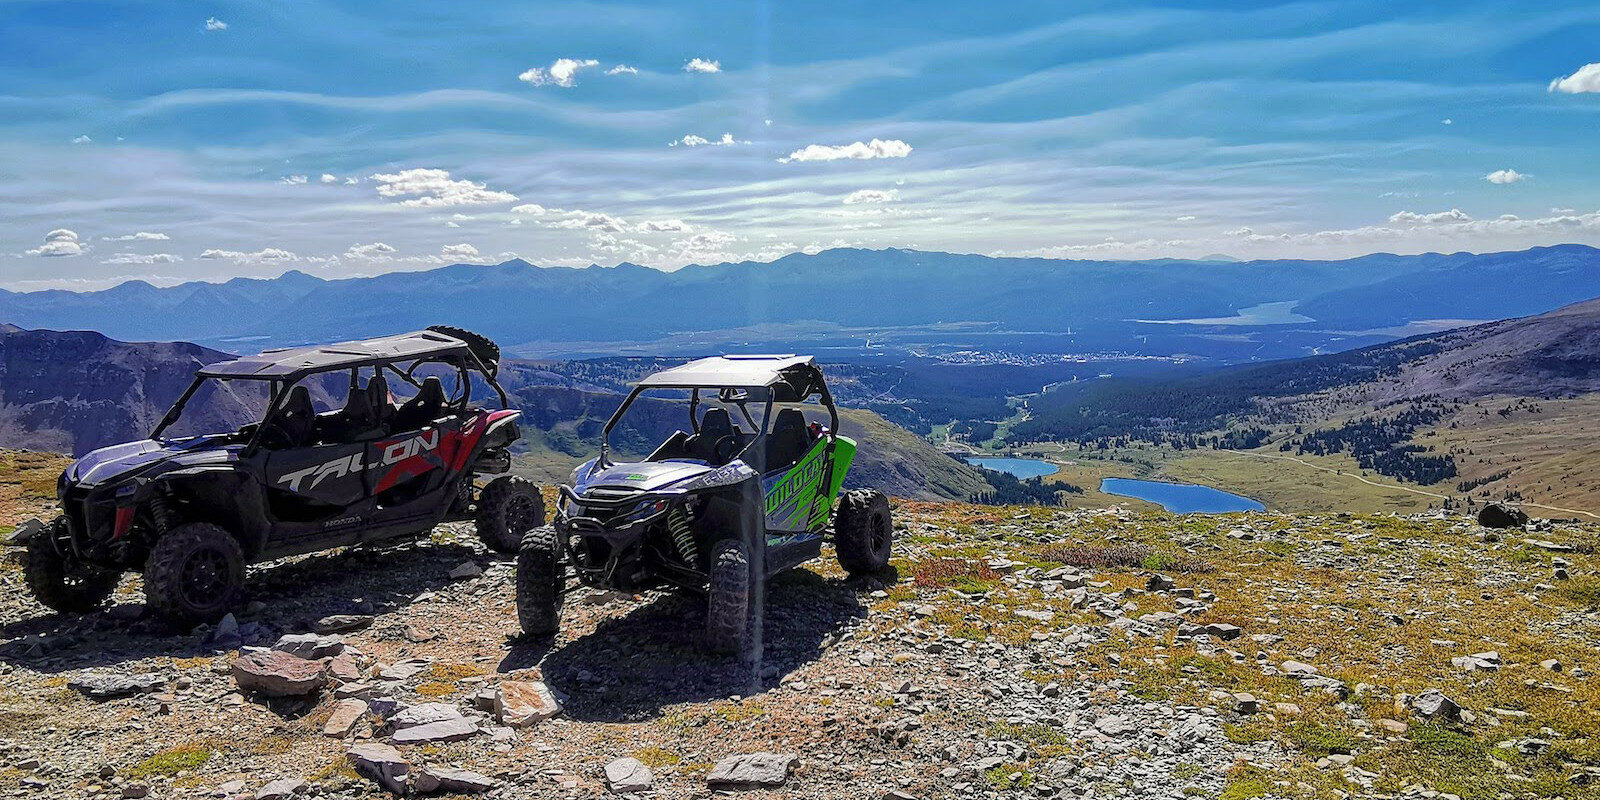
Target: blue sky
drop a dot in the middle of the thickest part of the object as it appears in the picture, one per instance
(176, 141)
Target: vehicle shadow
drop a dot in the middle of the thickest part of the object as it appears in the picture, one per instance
(292, 594)
(633, 666)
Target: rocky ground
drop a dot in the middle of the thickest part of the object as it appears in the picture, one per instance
(1011, 653)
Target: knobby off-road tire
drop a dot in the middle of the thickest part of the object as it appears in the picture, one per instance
(539, 577)
(195, 574)
(508, 508)
(863, 531)
(481, 346)
(65, 584)
(728, 602)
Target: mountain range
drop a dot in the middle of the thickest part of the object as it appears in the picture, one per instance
(844, 296)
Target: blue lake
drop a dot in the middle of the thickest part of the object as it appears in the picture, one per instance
(1023, 468)
(1181, 498)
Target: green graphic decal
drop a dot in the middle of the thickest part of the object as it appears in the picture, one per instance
(796, 500)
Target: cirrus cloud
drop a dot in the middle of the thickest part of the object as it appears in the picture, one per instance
(872, 196)
(877, 148)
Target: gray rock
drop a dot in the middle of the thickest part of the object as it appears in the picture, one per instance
(446, 730)
(404, 670)
(628, 775)
(1115, 725)
(450, 779)
(107, 685)
(381, 763)
(1224, 631)
(1434, 705)
(310, 645)
(342, 623)
(1500, 515)
(281, 789)
(346, 713)
(751, 770)
(469, 569)
(423, 714)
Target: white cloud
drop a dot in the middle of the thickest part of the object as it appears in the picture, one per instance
(622, 69)
(663, 226)
(562, 72)
(351, 181)
(1413, 219)
(257, 257)
(329, 178)
(84, 139)
(1586, 79)
(877, 148)
(1503, 176)
(1187, 218)
(141, 236)
(702, 65)
(376, 251)
(591, 220)
(530, 208)
(872, 196)
(140, 258)
(692, 140)
(1447, 121)
(459, 251)
(59, 243)
(293, 180)
(214, 24)
(435, 187)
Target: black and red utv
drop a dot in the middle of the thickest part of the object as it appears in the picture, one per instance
(191, 511)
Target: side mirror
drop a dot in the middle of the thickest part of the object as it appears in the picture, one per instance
(731, 395)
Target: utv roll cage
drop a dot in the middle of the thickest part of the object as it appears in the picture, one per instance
(738, 379)
(285, 367)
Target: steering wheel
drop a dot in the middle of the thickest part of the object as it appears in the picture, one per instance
(730, 443)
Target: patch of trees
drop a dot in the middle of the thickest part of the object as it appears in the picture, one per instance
(1009, 490)
(1195, 401)
(1380, 444)
(1468, 485)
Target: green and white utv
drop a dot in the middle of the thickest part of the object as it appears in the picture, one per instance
(747, 492)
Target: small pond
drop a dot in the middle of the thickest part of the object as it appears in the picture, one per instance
(1181, 498)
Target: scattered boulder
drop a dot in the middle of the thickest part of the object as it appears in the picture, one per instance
(1246, 703)
(1115, 725)
(750, 770)
(346, 713)
(404, 670)
(278, 674)
(523, 703)
(342, 623)
(1160, 583)
(449, 779)
(1295, 669)
(628, 775)
(343, 668)
(431, 722)
(281, 789)
(1224, 631)
(1486, 662)
(381, 763)
(468, 569)
(1434, 705)
(310, 645)
(102, 685)
(1500, 515)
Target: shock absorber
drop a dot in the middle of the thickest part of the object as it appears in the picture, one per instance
(682, 534)
(160, 511)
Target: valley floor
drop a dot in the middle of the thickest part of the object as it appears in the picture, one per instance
(1012, 652)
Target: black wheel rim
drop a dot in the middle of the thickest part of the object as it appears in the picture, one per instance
(521, 514)
(880, 533)
(206, 578)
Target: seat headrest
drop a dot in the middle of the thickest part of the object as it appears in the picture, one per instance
(298, 402)
(716, 422)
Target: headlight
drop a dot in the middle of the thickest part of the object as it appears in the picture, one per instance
(645, 510)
